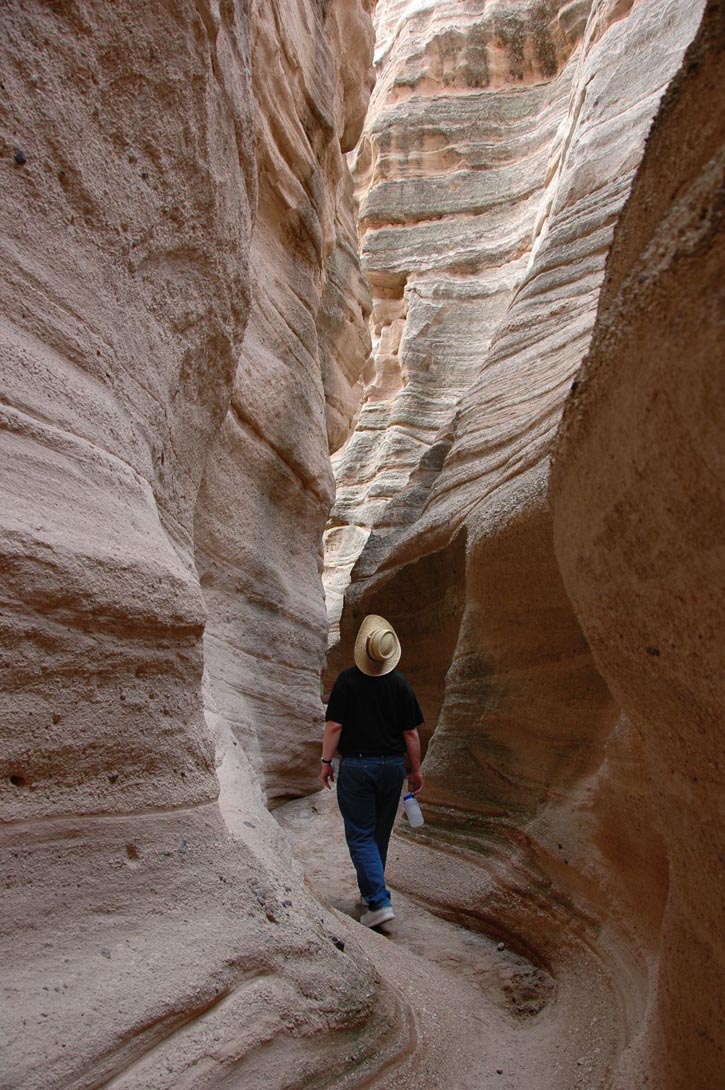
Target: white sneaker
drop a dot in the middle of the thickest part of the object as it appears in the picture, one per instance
(375, 916)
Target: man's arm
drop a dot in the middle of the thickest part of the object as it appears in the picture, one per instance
(329, 744)
(412, 744)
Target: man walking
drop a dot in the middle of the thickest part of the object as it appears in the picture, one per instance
(372, 719)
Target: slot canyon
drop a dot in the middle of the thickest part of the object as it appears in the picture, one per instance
(320, 308)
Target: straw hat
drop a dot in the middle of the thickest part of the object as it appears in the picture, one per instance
(377, 648)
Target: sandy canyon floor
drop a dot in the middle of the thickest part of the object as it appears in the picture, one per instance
(474, 1012)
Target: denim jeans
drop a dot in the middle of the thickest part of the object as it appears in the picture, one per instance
(368, 793)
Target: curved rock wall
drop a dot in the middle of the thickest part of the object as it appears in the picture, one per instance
(184, 340)
(638, 491)
(155, 932)
(532, 764)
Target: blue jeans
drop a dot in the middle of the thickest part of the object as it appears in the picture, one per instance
(368, 793)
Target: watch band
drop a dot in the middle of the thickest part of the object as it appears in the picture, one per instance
(324, 761)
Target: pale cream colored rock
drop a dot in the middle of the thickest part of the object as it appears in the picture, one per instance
(156, 933)
(449, 173)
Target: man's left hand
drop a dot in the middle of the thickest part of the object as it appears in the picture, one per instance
(415, 782)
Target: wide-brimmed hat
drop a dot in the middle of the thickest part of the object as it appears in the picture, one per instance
(377, 648)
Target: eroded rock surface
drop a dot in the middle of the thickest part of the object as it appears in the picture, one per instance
(183, 337)
(155, 932)
(638, 491)
(268, 486)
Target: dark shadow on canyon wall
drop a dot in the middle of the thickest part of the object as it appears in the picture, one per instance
(424, 602)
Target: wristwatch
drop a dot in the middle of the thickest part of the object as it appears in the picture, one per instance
(324, 761)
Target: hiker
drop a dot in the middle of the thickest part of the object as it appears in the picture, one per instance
(372, 719)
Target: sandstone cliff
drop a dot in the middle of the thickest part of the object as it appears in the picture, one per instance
(268, 484)
(534, 773)
(155, 934)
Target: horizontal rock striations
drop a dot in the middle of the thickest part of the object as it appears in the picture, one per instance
(449, 174)
(155, 931)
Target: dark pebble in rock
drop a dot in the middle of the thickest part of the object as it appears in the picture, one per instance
(339, 944)
(20, 158)
(499, 1071)
(105, 952)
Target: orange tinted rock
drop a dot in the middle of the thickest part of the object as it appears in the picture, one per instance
(640, 450)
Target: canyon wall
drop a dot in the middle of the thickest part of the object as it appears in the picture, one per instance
(184, 342)
(638, 494)
(156, 344)
(538, 764)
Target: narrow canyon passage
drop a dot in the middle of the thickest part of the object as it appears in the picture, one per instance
(471, 1010)
(319, 308)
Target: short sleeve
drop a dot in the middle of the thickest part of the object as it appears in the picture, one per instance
(410, 714)
(337, 704)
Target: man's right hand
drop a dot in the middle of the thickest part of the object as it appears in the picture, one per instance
(327, 776)
(415, 782)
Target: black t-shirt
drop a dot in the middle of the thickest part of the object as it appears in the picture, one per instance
(374, 712)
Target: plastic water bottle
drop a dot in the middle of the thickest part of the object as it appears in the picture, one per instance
(413, 811)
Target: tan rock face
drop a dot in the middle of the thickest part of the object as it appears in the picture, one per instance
(156, 933)
(533, 763)
(640, 452)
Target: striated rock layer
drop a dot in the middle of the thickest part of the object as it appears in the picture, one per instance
(638, 491)
(534, 765)
(155, 933)
(449, 172)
